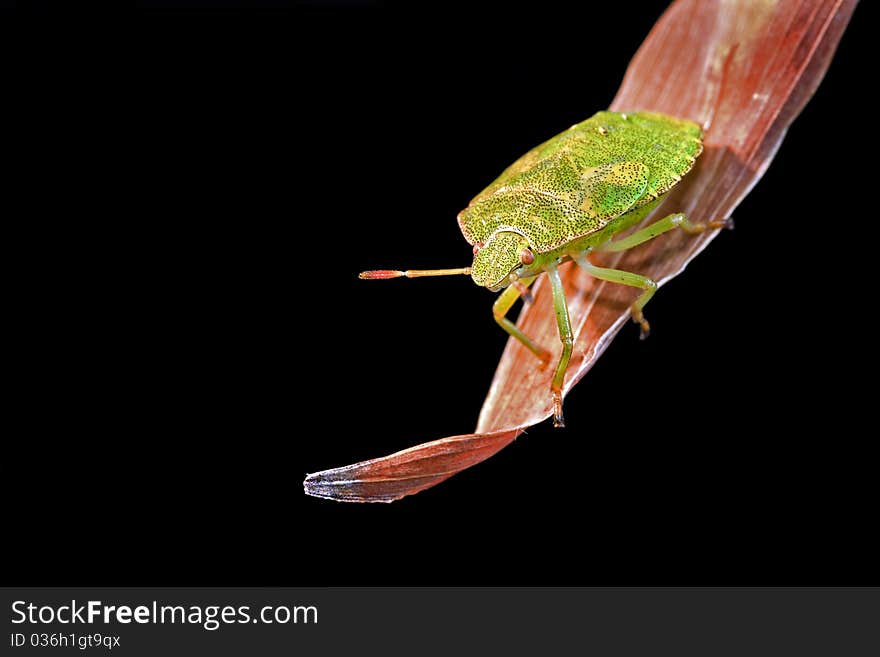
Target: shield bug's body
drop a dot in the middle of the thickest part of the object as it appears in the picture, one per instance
(565, 198)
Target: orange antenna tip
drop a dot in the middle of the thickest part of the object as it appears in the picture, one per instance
(379, 274)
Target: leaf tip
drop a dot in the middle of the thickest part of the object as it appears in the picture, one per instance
(328, 485)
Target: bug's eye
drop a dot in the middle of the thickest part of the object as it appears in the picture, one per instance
(477, 248)
(526, 256)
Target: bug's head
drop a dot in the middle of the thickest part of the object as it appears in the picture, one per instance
(502, 254)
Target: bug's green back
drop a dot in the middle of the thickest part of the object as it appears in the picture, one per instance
(582, 179)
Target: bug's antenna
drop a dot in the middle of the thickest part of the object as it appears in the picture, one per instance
(379, 274)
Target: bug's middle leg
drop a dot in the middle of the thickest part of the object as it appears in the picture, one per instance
(649, 285)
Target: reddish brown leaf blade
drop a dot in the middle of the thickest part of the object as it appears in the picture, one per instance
(403, 473)
(744, 69)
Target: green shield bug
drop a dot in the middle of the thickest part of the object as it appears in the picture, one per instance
(566, 198)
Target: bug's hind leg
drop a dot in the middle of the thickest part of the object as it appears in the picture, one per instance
(567, 339)
(667, 223)
(502, 306)
(649, 285)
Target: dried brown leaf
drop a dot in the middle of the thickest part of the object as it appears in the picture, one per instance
(747, 71)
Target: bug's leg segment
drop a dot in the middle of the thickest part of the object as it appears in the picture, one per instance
(502, 306)
(677, 220)
(565, 336)
(649, 285)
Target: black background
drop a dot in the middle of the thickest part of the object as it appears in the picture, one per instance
(203, 188)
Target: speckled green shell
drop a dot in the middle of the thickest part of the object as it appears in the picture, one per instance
(582, 179)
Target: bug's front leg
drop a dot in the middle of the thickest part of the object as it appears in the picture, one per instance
(567, 339)
(503, 305)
